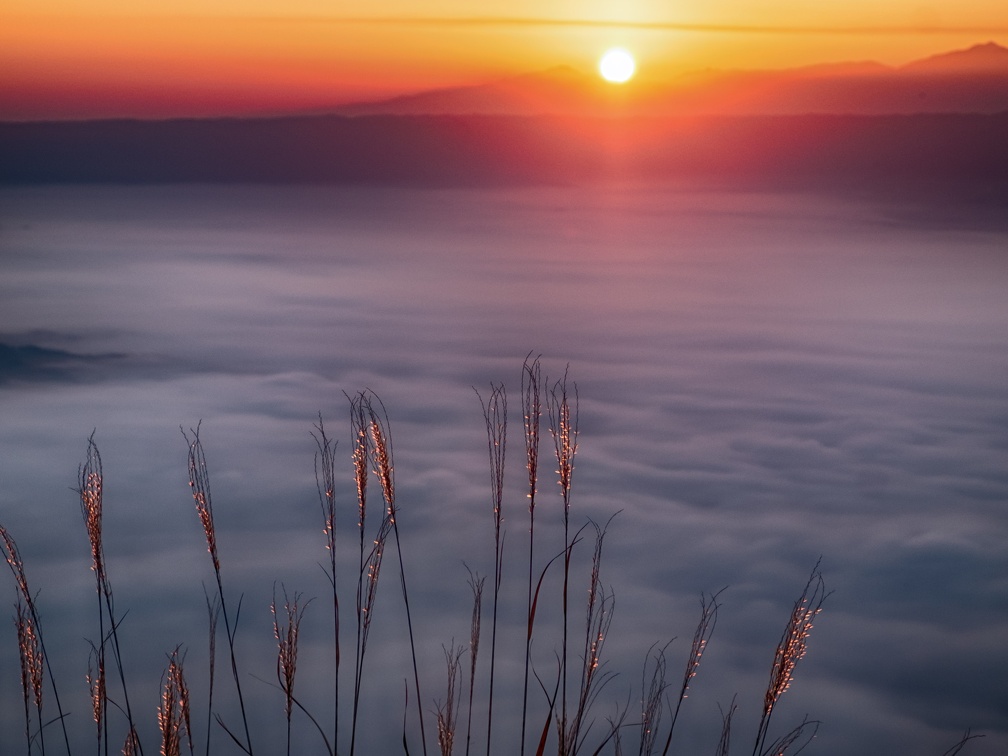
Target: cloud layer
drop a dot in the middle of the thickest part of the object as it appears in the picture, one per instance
(763, 380)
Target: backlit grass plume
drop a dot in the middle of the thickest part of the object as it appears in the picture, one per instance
(791, 649)
(653, 689)
(173, 714)
(91, 493)
(384, 469)
(27, 615)
(199, 484)
(325, 482)
(286, 631)
(476, 583)
(447, 712)
(563, 427)
(495, 418)
(32, 660)
(531, 402)
(98, 690)
(704, 630)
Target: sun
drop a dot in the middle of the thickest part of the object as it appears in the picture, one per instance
(617, 65)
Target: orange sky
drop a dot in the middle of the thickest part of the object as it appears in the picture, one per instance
(156, 58)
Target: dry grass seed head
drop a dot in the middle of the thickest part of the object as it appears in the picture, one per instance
(361, 439)
(724, 742)
(495, 417)
(803, 734)
(372, 568)
(13, 559)
(446, 713)
(325, 480)
(130, 745)
(381, 451)
(476, 584)
(31, 656)
(173, 711)
(564, 430)
(199, 483)
(90, 491)
(286, 633)
(531, 413)
(704, 630)
(653, 697)
(794, 641)
(96, 685)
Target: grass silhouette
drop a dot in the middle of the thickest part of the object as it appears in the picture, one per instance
(564, 718)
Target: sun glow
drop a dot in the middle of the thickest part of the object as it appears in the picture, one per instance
(617, 65)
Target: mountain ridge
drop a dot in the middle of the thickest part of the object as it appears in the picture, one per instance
(972, 80)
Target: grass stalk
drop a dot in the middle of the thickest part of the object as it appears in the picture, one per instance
(213, 614)
(564, 431)
(961, 743)
(98, 690)
(598, 618)
(476, 584)
(724, 743)
(790, 649)
(30, 656)
(367, 581)
(13, 558)
(447, 713)
(129, 745)
(799, 736)
(91, 494)
(173, 712)
(495, 418)
(199, 484)
(287, 632)
(704, 630)
(531, 387)
(653, 690)
(325, 481)
(382, 461)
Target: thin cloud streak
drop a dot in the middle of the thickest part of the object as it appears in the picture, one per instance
(674, 26)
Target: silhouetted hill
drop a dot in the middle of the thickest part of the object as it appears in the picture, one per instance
(943, 155)
(963, 81)
(988, 58)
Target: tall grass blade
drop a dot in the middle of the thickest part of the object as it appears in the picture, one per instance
(199, 484)
(791, 648)
(704, 631)
(564, 431)
(213, 612)
(724, 743)
(476, 584)
(384, 469)
(531, 388)
(961, 743)
(12, 556)
(325, 481)
(447, 712)
(287, 632)
(91, 496)
(495, 418)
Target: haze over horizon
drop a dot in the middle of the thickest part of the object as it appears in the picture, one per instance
(68, 59)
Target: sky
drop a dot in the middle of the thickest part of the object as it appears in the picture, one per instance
(152, 58)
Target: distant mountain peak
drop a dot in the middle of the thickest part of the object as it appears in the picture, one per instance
(987, 57)
(972, 80)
